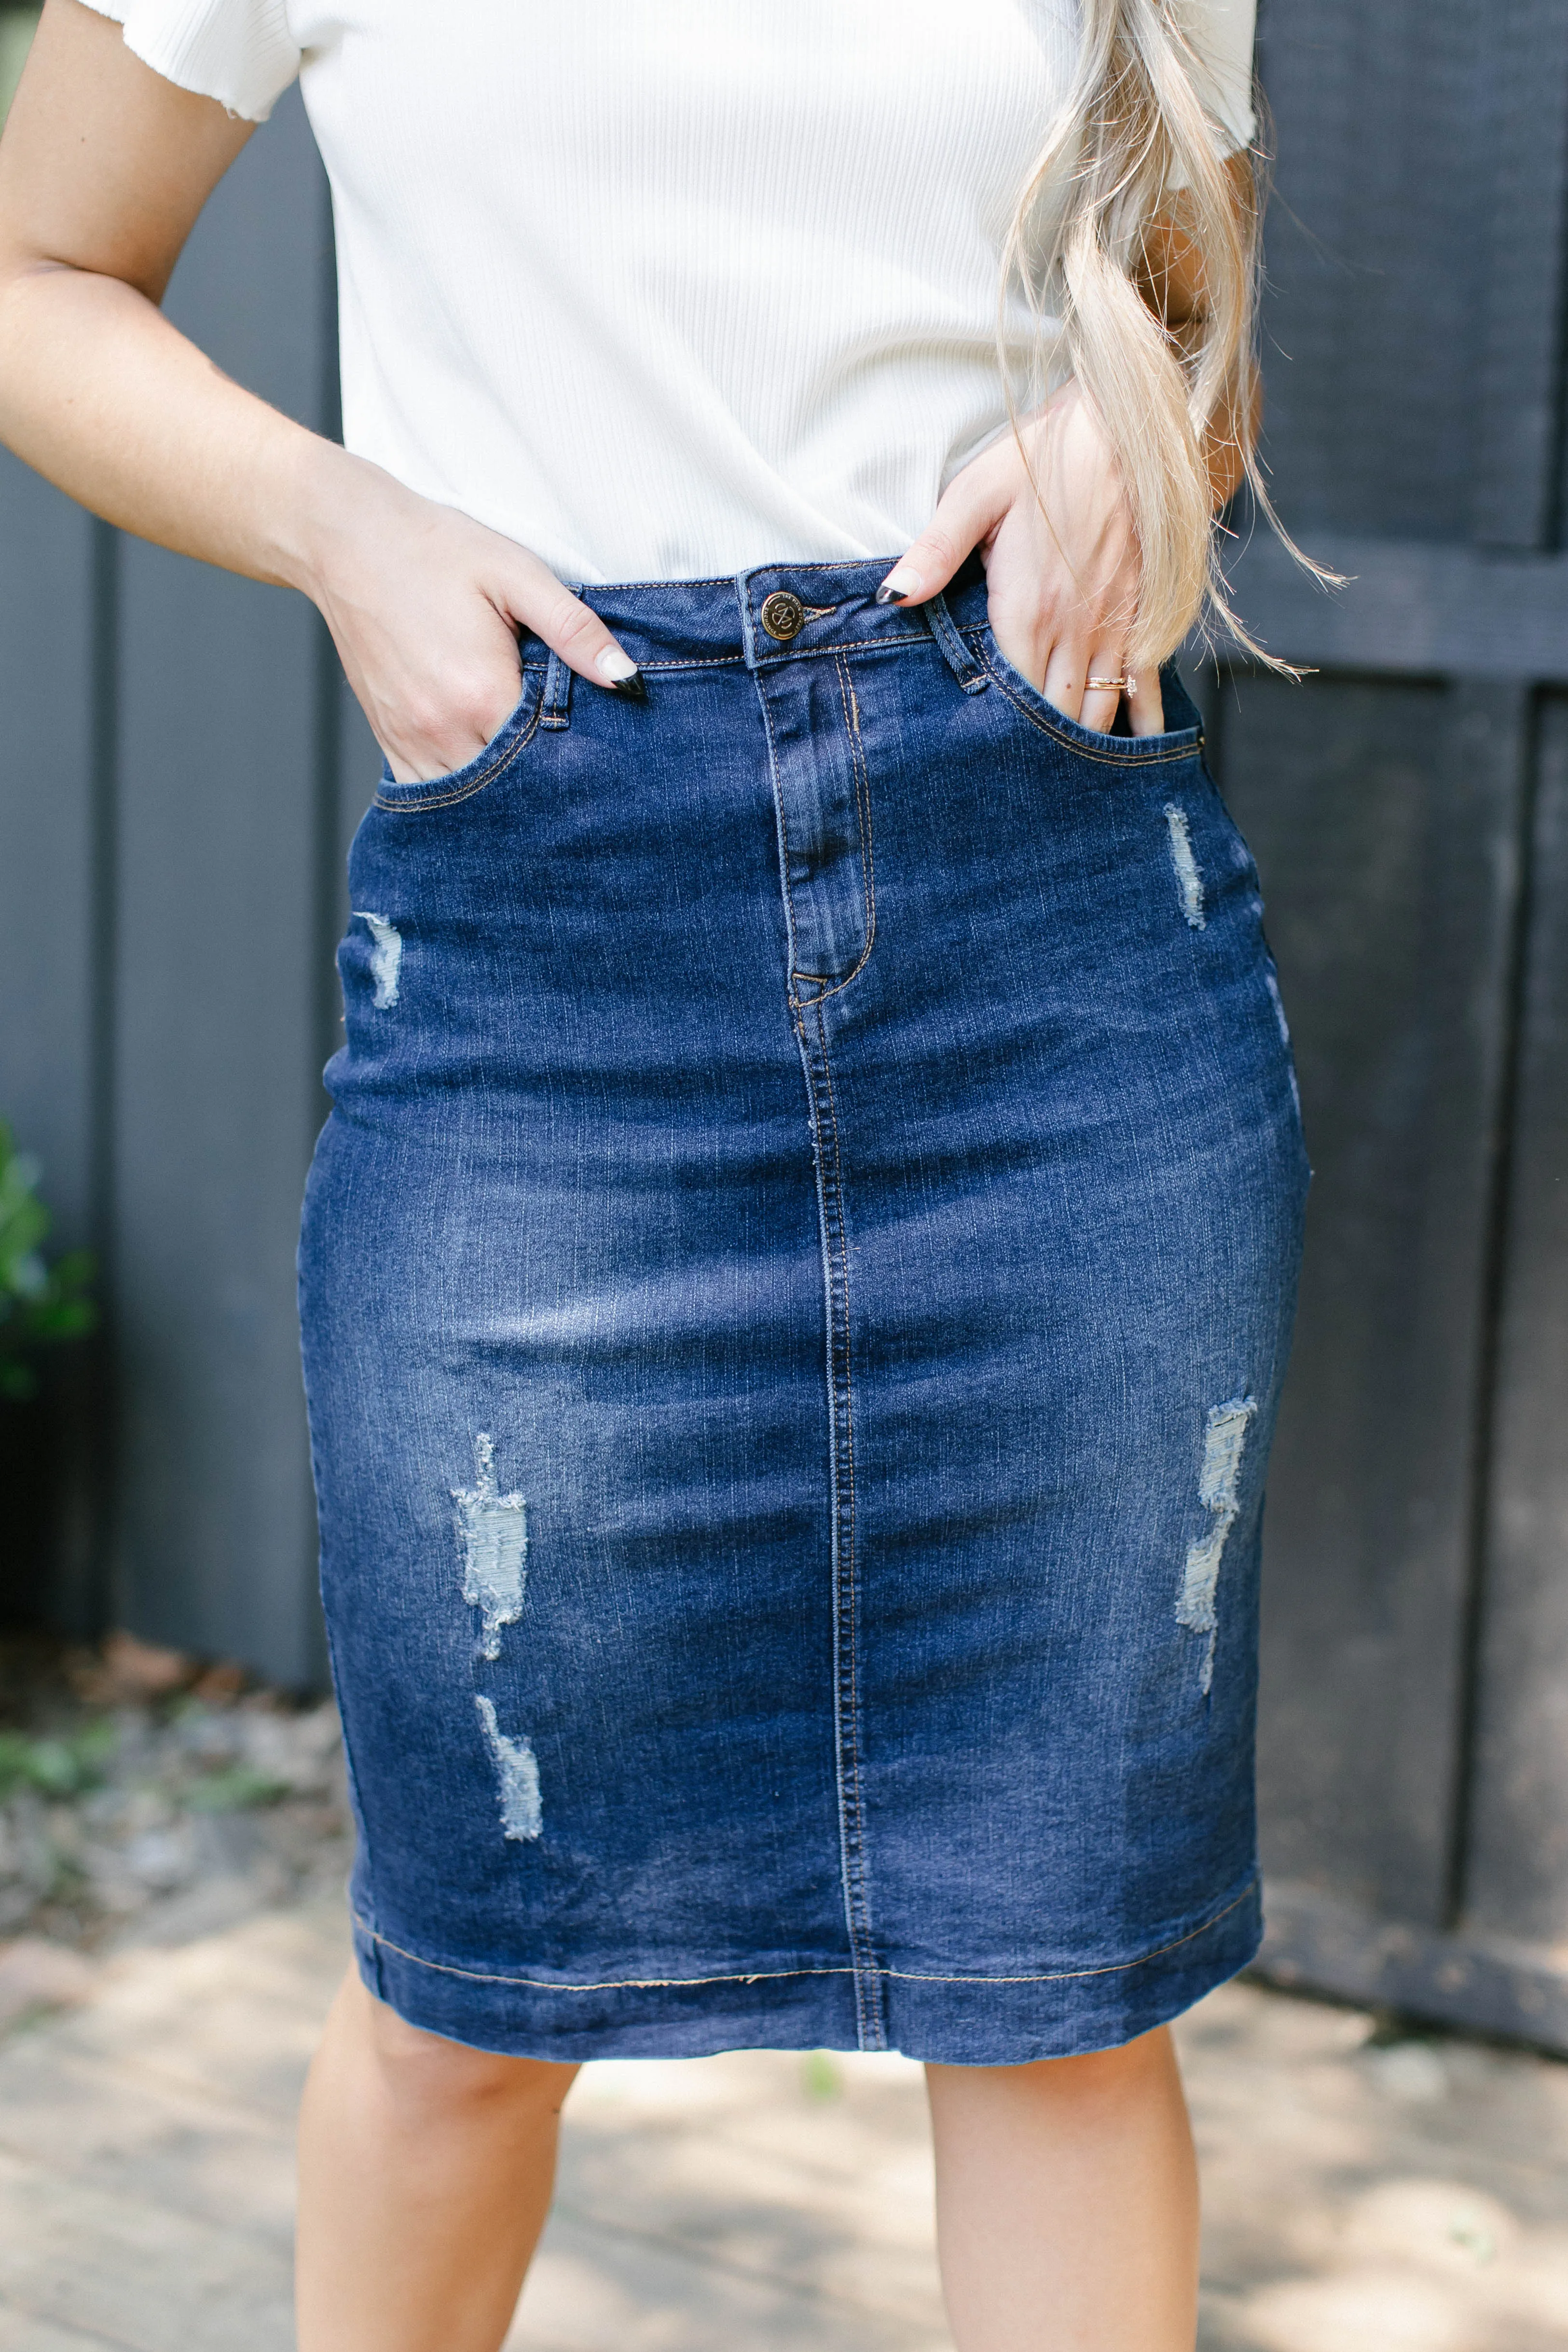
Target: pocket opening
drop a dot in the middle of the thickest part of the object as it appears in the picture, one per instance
(1122, 751)
(460, 784)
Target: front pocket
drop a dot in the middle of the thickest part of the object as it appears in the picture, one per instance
(1121, 751)
(498, 755)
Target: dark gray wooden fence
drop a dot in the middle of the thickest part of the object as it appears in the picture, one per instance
(1409, 809)
(180, 767)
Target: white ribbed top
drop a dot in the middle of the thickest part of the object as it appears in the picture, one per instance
(665, 289)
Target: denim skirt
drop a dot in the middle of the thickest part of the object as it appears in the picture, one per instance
(796, 1285)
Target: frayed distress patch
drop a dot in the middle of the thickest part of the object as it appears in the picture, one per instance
(1219, 1483)
(492, 1530)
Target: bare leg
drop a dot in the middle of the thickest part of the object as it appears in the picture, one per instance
(1067, 2202)
(426, 2169)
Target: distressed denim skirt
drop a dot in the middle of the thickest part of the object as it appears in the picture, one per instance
(796, 1286)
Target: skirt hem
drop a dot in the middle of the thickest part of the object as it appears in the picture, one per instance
(998, 2021)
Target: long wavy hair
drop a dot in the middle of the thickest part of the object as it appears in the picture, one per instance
(1135, 143)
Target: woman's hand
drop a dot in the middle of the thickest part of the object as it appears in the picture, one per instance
(425, 606)
(1062, 592)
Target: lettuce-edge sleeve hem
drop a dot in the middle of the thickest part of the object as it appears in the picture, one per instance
(239, 52)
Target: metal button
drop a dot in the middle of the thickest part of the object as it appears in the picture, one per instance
(782, 615)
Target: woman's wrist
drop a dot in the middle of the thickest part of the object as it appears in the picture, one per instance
(328, 500)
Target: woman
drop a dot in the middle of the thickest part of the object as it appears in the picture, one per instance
(797, 1281)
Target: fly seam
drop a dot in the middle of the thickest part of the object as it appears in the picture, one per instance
(868, 857)
(863, 794)
(783, 833)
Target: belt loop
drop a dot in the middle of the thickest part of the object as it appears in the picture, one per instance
(556, 708)
(967, 667)
(743, 597)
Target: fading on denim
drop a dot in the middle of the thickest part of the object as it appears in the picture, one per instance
(796, 1286)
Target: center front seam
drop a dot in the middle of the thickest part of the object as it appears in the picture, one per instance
(869, 1999)
(810, 1022)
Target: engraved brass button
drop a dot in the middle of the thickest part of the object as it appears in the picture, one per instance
(782, 615)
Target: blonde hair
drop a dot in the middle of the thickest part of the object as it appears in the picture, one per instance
(1133, 143)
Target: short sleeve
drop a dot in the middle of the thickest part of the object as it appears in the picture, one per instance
(1222, 32)
(238, 51)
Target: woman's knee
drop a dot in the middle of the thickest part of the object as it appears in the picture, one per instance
(425, 2077)
(1099, 2079)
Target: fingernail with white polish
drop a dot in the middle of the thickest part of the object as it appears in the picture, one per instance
(621, 674)
(900, 583)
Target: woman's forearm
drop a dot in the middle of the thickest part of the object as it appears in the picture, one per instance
(104, 168)
(1171, 281)
(109, 400)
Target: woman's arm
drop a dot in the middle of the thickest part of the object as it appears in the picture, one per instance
(1062, 591)
(1172, 284)
(104, 167)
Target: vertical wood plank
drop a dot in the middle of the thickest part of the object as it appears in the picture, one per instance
(1517, 1881)
(1520, 405)
(47, 904)
(217, 1100)
(1384, 817)
(54, 839)
(1378, 250)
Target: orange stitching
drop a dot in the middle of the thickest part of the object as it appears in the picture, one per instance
(776, 784)
(769, 1976)
(1111, 1967)
(827, 985)
(856, 1799)
(798, 652)
(1071, 742)
(699, 661)
(503, 758)
(692, 661)
(618, 587)
(867, 855)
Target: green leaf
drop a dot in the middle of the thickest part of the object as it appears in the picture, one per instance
(819, 2075)
(56, 1766)
(233, 1792)
(39, 1304)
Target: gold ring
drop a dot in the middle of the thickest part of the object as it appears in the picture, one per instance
(1126, 685)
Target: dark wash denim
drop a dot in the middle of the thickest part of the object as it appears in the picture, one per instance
(795, 1286)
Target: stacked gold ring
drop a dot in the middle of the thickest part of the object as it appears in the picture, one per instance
(1126, 685)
